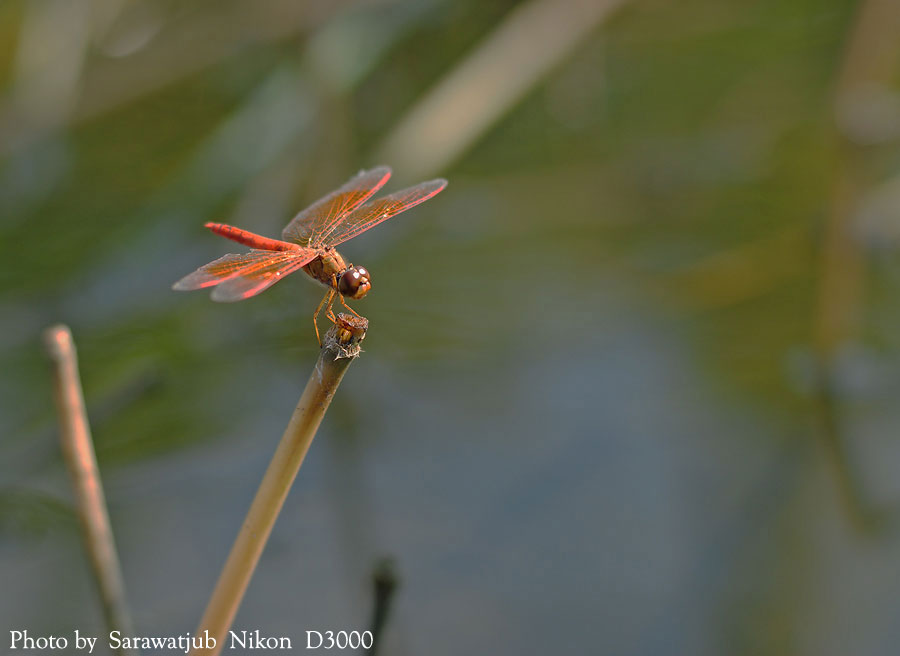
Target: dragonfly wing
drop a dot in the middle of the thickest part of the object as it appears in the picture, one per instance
(222, 269)
(381, 209)
(318, 219)
(262, 275)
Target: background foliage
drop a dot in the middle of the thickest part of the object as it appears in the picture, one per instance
(629, 382)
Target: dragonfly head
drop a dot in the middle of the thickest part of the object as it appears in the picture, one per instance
(354, 282)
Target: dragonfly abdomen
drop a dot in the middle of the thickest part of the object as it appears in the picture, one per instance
(251, 239)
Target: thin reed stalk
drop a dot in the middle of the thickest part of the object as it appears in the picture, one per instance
(340, 348)
(385, 581)
(78, 452)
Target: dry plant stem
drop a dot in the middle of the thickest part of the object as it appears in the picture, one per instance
(78, 451)
(341, 346)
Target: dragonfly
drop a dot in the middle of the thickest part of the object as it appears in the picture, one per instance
(308, 243)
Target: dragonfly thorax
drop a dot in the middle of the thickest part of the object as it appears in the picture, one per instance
(333, 271)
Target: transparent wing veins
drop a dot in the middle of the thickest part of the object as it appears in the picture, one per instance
(317, 220)
(381, 209)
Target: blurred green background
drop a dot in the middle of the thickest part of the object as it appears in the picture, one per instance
(629, 385)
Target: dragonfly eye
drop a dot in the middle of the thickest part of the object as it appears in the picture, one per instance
(354, 282)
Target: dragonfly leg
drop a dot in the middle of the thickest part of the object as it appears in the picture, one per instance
(327, 298)
(344, 303)
(331, 292)
(328, 311)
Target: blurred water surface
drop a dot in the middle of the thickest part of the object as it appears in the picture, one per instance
(627, 389)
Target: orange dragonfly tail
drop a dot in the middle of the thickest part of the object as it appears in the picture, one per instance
(251, 239)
